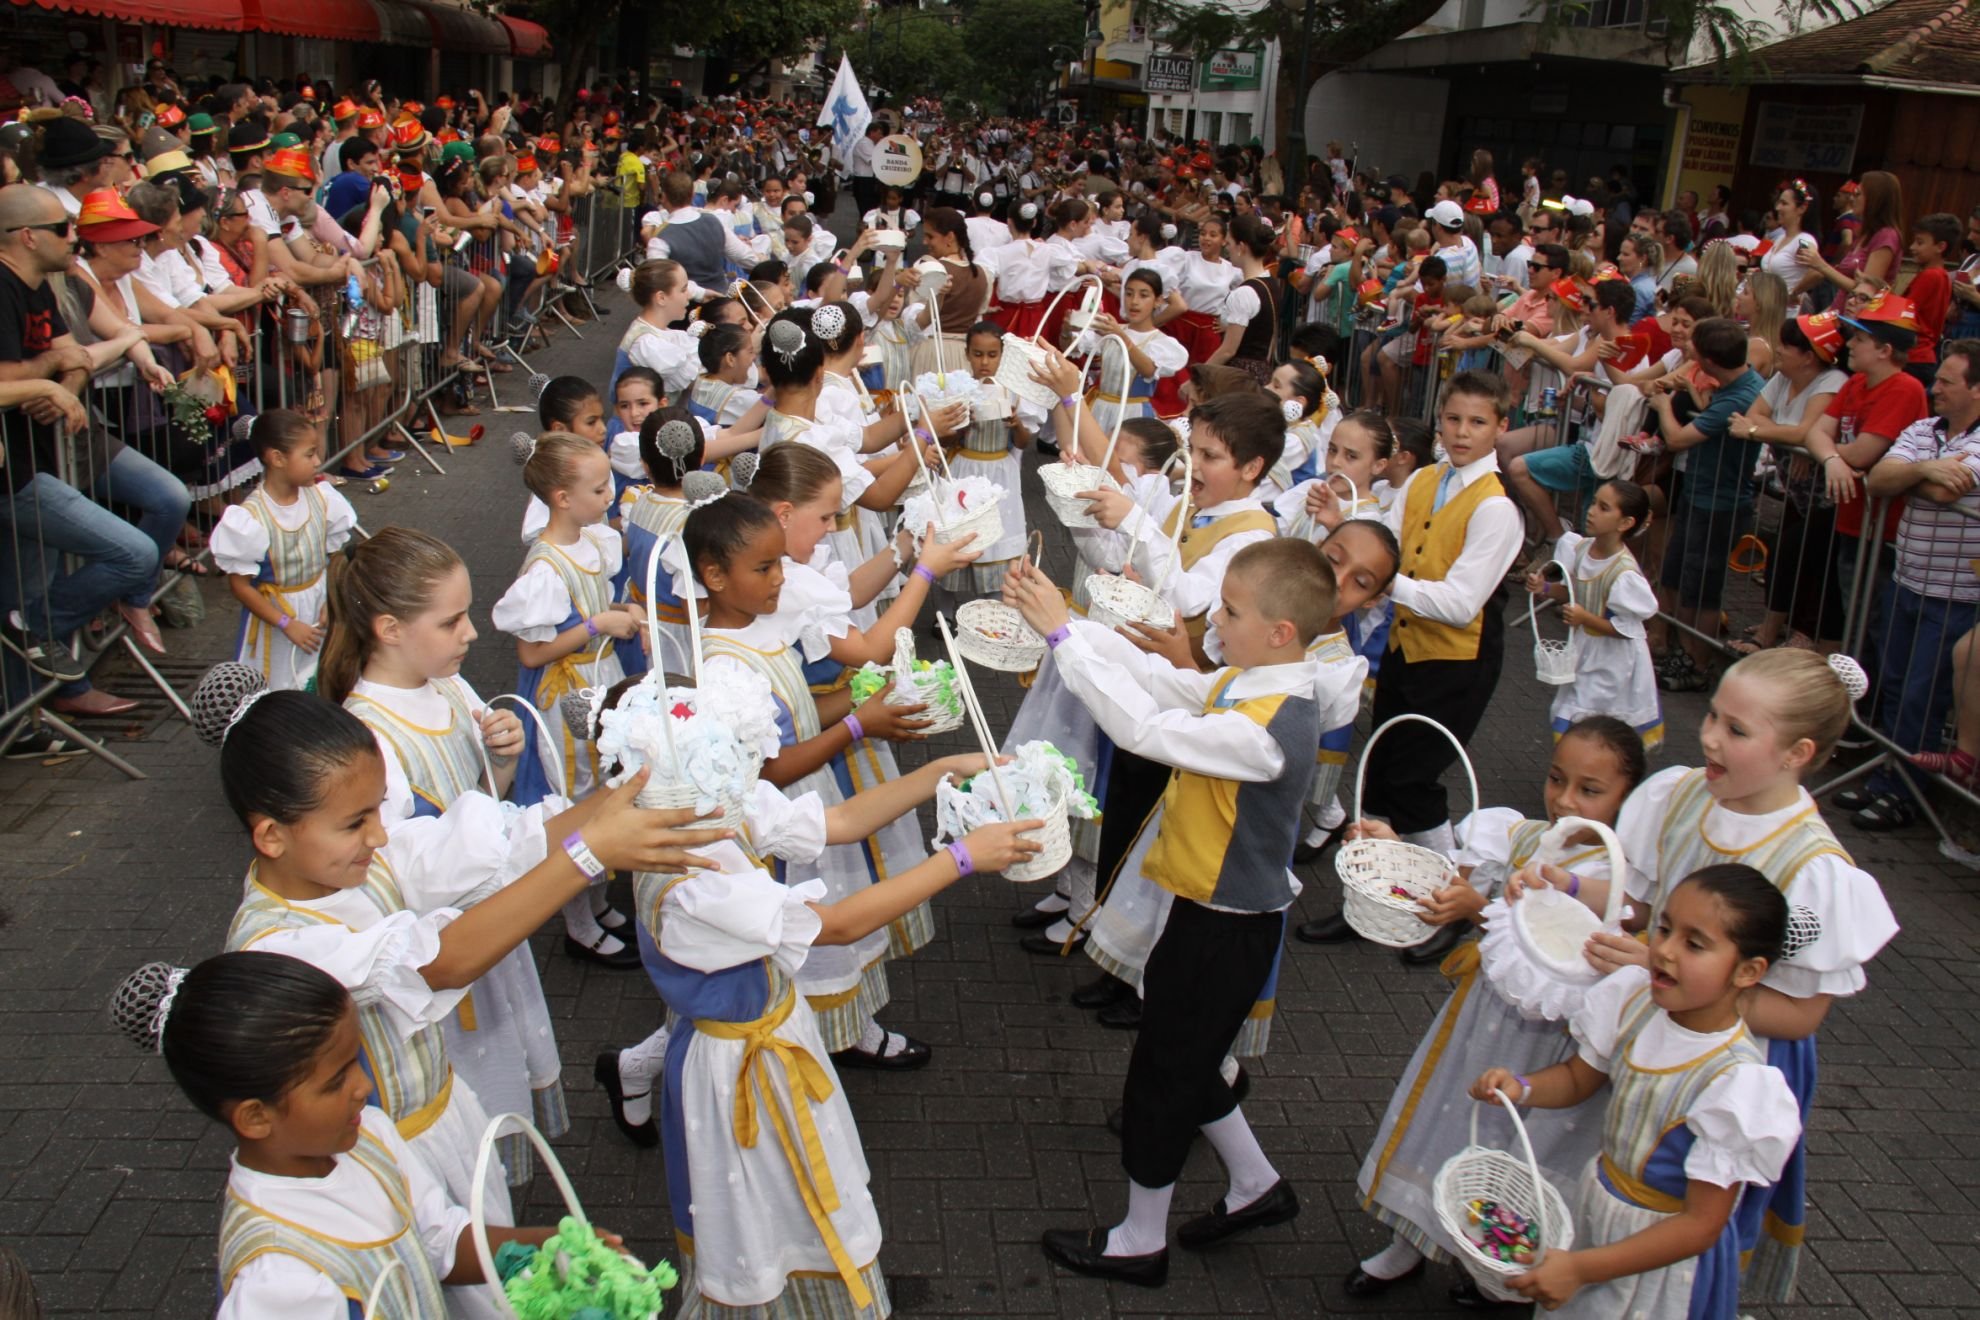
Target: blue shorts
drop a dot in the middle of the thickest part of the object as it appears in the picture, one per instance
(1563, 468)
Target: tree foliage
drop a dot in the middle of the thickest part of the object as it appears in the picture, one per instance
(996, 54)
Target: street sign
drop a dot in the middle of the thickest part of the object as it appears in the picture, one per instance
(1168, 73)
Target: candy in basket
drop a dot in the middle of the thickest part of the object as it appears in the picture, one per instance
(1046, 786)
(931, 683)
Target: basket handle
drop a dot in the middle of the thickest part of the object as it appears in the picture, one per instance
(903, 665)
(542, 728)
(1057, 298)
(394, 1269)
(1532, 1167)
(1361, 770)
(1533, 601)
(1554, 844)
(477, 1196)
(691, 665)
(978, 723)
(1354, 491)
(1182, 521)
(934, 306)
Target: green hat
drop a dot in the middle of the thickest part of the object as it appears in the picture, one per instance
(281, 140)
(200, 124)
(458, 151)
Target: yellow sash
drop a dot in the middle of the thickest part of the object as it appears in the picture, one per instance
(261, 635)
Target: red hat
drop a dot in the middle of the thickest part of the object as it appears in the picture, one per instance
(411, 180)
(171, 116)
(292, 163)
(1851, 186)
(1823, 331)
(343, 110)
(411, 108)
(446, 135)
(1348, 233)
(369, 118)
(444, 102)
(407, 135)
(1570, 293)
(1202, 160)
(611, 118)
(106, 219)
(308, 92)
(1885, 317)
(549, 144)
(525, 163)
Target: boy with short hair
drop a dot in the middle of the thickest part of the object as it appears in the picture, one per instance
(1930, 290)
(1714, 498)
(1242, 742)
(1459, 532)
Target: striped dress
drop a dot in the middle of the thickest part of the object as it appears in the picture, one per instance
(650, 520)
(288, 567)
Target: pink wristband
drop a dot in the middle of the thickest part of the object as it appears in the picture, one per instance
(858, 729)
(923, 572)
(965, 864)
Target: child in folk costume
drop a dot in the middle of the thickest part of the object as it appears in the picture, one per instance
(895, 334)
(1026, 272)
(399, 631)
(1594, 767)
(670, 447)
(324, 1195)
(1312, 412)
(1205, 279)
(990, 448)
(636, 394)
(573, 404)
(840, 326)
(661, 291)
(1152, 356)
(735, 546)
(1697, 1121)
(725, 391)
(1607, 600)
(379, 912)
(1351, 461)
(1773, 719)
(560, 608)
(1240, 742)
(765, 1173)
(275, 548)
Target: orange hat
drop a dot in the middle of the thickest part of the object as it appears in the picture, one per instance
(411, 108)
(612, 134)
(411, 181)
(1347, 234)
(407, 135)
(171, 116)
(1570, 293)
(446, 135)
(1888, 318)
(1823, 331)
(106, 219)
(368, 118)
(525, 163)
(611, 118)
(549, 144)
(308, 92)
(290, 163)
(444, 102)
(343, 110)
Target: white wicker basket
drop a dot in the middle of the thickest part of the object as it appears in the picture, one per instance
(1479, 1173)
(1055, 840)
(1113, 602)
(1532, 951)
(1384, 880)
(1055, 834)
(678, 797)
(478, 1198)
(1063, 483)
(985, 522)
(1553, 661)
(912, 687)
(996, 636)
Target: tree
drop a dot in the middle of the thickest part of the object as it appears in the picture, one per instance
(759, 33)
(1011, 42)
(1344, 31)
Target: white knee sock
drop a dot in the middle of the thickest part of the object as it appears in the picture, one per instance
(1252, 1175)
(639, 1069)
(1438, 838)
(1052, 904)
(581, 924)
(1392, 1261)
(601, 905)
(1146, 1228)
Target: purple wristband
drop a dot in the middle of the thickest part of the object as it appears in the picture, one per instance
(965, 865)
(1525, 1087)
(1057, 635)
(923, 572)
(1574, 885)
(590, 628)
(858, 729)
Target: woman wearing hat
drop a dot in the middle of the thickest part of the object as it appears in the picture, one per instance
(215, 170)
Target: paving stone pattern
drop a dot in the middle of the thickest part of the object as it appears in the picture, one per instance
(109, 1182)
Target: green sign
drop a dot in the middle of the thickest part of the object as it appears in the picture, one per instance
(1232, 70)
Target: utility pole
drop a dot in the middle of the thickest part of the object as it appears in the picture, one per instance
(1296, 130)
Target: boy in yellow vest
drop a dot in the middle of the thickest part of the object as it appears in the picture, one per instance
(1241, 744)
(1459, 532)
(1233, 442)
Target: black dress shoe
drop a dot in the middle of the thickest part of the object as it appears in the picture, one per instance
(605, 1071)
(1467, 1296)
(625, 959)
(1083, 1251)
(1122, 1016)
(1045, 948)
(1327, 930)
(1435, 949)
(1275, 1207)
(1306, 853)
(1360, 1283)
(914, 1054)
(1108, 989)
(1033, 919)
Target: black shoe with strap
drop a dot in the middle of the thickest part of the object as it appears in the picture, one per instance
(1084, 1251)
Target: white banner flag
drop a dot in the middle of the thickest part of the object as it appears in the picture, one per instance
(845, 110)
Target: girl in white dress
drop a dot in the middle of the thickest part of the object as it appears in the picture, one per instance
(1428, 1119)
(1205, 279)
(1697, 1121)
(324, 1195)
(573, 404)
(990, 449)
(1152, 356)
(1026, 271)
(1774, 718)
(1312, 412)
(660, 291)
(725, 391)
(399, 632)
(765, 1175)
(736, 545)
(275, 548)
(1607, 602)
(382, 912)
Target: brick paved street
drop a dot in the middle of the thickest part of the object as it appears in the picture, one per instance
(109, 1183)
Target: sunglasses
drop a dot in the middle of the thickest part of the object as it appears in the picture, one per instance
(62, 229)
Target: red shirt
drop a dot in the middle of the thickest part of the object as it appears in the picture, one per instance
(1883, 410)
(1931, 295)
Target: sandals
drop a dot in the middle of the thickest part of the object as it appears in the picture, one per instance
(1885, 812)
(188, 565)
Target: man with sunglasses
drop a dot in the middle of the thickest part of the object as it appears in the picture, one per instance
(42, 517)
